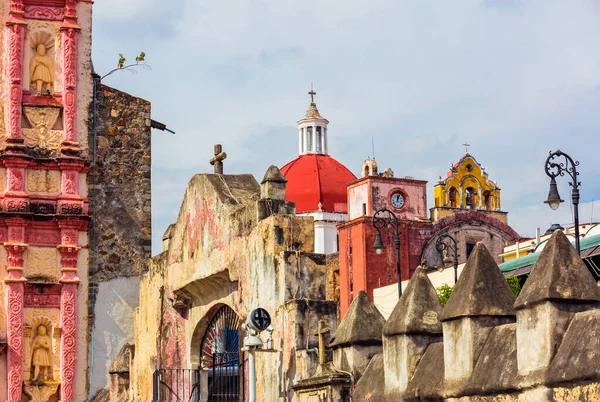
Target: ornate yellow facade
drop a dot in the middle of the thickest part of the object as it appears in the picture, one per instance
(467, 186)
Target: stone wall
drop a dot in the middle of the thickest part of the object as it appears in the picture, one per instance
(120, 184)
(484, 345)
(120, 202)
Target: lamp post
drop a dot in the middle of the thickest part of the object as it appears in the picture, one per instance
(554, 169)
(379, 222)
(442, 246)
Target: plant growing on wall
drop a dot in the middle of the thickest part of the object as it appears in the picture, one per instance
(514, 284)
(445, 290)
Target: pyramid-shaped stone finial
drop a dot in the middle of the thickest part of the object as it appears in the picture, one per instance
(273, 184)
(411, 328)
(417, 311)
(481, 289)
(358, 336)
(480, 301)
(362, 324)
(559, 274)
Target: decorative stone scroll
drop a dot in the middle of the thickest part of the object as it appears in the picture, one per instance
(68, 319)
(16, 28)
(41, 135)
(14, 331)
(70, 46)
(44, 13)
(43, 181)
(41, 264)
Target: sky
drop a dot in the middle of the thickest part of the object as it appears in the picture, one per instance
(513, 78)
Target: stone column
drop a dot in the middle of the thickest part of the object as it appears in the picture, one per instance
(70, 40)
(325, 140)
(559, 286)
(15, 248)
(16, 31)
(408, 332)
(300, 141)
(68, 313)
(481, 300)
(305, 139)
(314, 138)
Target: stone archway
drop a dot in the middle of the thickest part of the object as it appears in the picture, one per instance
(216, 353)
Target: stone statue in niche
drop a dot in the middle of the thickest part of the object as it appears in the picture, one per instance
(41, 352)
(41, 70)
(41, 65)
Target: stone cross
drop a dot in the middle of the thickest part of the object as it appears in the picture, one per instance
(321, 332)
(312, 94)
(217, 160)
(466, 145)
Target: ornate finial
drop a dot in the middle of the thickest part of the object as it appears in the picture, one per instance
(312, 94)
(466, 145)
(217, 160)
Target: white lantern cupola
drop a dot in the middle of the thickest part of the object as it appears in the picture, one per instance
(312, 130)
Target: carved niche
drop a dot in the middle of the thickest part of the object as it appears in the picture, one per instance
(42, 135)
(40, 55)
(42, 351)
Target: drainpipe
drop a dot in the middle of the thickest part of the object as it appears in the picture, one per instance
(92, 272)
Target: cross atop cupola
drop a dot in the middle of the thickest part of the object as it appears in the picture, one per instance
(312, 129)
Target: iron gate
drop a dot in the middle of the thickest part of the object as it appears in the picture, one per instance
(176, 385)
(226, 378)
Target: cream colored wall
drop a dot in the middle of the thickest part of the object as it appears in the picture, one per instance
(386, 297)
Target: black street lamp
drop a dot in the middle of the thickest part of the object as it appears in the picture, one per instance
(442, 246)
(554, 169)
(379, 223)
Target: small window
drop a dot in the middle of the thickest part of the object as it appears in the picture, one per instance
(470, 247)
(469, 168)
(364, 207)
(309, 137)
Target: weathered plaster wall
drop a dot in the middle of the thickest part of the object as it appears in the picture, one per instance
(219, 255)
(115, 303)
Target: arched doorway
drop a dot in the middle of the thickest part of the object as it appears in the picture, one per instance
(220, 356)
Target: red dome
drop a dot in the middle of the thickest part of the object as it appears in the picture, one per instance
(315, 178)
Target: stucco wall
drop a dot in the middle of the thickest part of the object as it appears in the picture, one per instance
(115, 304)
(219, 255)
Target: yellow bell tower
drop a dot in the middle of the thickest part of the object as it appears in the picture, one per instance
(467, 187)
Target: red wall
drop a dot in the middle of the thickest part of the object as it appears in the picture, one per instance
(361, 268)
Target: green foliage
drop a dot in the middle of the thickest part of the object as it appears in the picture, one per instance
(122, 60)
(514, 284)
(444, 292)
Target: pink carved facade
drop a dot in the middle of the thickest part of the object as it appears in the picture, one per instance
(43, 195)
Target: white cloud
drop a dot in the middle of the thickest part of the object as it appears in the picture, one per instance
(515, 79)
